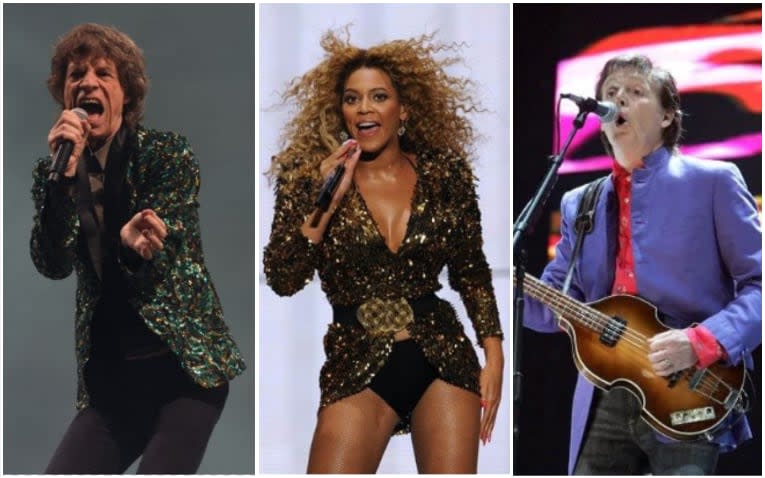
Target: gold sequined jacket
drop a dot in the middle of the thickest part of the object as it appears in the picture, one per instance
(172, 292)
(355, 265)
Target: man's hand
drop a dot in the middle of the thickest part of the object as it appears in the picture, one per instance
(144, 233)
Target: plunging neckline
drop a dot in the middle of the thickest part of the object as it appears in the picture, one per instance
(412, 209)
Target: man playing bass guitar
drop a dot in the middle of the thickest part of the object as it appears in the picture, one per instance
(683, 234)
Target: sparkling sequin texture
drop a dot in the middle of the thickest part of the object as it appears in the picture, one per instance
(173, 292)
(355, 265)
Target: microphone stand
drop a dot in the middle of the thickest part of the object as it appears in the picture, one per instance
(526, 221)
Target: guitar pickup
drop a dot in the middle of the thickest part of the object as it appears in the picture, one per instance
(612, 331)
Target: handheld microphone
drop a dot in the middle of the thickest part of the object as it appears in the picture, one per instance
(65, 148)
(328, 189)
(605, 110)
(330, 185)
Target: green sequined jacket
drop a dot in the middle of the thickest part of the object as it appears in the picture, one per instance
(173, 292)
(355, 264)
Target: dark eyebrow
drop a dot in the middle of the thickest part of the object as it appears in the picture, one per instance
(106, 65)
(372, 90)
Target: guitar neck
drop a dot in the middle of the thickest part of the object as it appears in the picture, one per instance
(559, 302)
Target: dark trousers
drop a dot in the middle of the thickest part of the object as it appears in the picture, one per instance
(148, 407)
(619, 442)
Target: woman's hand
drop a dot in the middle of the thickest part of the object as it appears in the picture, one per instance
(347, 154)
(69, 127)
(144, 233)
(491, 386)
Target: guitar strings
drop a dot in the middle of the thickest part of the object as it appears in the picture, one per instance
(595, 319)
(598, 321)
(707, 387)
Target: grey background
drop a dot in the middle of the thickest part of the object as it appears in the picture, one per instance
(200, 61)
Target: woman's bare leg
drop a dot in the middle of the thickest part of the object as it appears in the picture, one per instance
(351, 435)
(445, 429)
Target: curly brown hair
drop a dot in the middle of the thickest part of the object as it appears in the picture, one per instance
(91, 40)
(437, 103)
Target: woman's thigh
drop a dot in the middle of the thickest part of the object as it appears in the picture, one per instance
(351, 435)
(445, 429)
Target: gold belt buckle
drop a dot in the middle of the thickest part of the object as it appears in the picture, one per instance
(381, 316)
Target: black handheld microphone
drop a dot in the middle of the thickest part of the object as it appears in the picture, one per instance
(328, 189)
(604, 109)
(65, 148)
(330, 185)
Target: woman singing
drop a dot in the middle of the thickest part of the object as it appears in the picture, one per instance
(397, 358)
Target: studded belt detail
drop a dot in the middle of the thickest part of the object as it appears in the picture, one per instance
(384, 316)
(380, 316)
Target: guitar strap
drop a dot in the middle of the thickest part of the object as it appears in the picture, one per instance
(585, 221)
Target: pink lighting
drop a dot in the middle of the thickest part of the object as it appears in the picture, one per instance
(721, 59)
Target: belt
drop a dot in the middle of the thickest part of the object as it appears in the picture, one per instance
(380, 316)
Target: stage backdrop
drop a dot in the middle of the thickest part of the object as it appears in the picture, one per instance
(291, 329)
(200, 61)
(715, 54)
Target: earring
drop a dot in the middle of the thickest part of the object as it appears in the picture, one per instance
(343, 136)
(401, 130)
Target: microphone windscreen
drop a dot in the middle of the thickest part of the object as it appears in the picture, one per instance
(81, 113)
(608, 113)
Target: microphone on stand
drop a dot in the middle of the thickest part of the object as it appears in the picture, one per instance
(605, 110)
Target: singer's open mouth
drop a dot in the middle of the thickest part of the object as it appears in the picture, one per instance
(367, 129)
(91, 105)
(620, 120)
(366, 125)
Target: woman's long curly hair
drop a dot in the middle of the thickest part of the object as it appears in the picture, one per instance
(437, 104)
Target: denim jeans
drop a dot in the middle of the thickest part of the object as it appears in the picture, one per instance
(619, 442)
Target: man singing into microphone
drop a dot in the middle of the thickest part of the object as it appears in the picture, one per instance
(154, 356)
(683, 234)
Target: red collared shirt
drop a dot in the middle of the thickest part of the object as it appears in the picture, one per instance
(704, 344)
(624, 277)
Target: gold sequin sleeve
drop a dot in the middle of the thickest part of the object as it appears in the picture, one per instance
(289, 258)
(469, 273)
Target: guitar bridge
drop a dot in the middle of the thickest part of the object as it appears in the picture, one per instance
(612, 331)
(695, 379)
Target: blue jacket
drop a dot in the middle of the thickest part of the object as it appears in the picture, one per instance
(697, 247)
